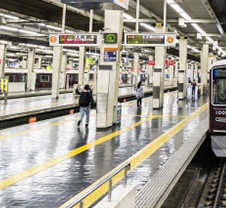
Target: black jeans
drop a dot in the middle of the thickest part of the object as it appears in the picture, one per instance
(139, 102)
(193, 90)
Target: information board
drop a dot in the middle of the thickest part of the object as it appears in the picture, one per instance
(110, 38)
(78, 39)
(110, 55)
(150, 39)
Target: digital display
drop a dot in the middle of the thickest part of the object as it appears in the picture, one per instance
(77, 39)
(145, 39)
(110, 38)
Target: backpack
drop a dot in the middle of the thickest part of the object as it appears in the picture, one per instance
(84, 99)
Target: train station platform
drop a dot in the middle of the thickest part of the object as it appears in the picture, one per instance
(20, 107)
(52, 162)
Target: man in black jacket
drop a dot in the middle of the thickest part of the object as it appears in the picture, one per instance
(85, 99)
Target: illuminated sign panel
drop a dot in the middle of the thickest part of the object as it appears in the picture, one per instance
(110, 38)
(155, 39)
(74, 39)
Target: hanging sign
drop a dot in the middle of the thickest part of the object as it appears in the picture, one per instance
(122, 3)
(167, 62)
(151, 62)
(78, 39)
(150, 39)
(110, 54)
(110, 38)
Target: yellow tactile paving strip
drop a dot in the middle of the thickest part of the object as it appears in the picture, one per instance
(137, 159)
(14, 179)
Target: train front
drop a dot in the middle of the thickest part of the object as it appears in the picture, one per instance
(217, 114)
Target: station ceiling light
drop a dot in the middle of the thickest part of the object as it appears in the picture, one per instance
(9, 16)
(128, 16)
(147, 26)
(182, 13)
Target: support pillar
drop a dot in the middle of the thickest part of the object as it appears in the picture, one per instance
(176, 72)
(204, 67)
(158, 74)
(70, 64)
(196, 72)
(171, 78)
(214, 58)
(31, 76)
(192, 71)
(63, 72)
(136, 65)
(150, 71)
(57, 57)
(39, 63)
(24, 62)
(183, 69)
(2, 59)
(108, 74)
(82, 62)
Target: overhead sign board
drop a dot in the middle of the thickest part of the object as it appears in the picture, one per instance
(78, 39)
(110, 38)
(150, 39)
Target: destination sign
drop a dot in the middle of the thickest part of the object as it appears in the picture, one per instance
(74, 39)
(155, 39)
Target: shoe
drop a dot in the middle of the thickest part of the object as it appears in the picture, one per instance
(87, 125)
(78, 123)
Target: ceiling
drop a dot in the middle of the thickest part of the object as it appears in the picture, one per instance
(209, 15)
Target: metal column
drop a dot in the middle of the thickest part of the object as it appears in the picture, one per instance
(57, 57)
(204, 66)
(63, 72)
(82, 57)
(31, 76)
(108, 74)
(2, 59)
(158, 74)
(183, 69)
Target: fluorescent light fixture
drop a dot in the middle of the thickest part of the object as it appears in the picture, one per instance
(9, 16)
(147, 26)
(42, 24)
(69, 31)
(210, 39)
(199, 29)
(178, 9)
(32, 45)
(9, 28)
(26, 31)
(53, 27)
(128, 16)
(192, 48)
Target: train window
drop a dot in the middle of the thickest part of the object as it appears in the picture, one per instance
(23, 78)
(219, 86)
(14, 77)
(44, 78)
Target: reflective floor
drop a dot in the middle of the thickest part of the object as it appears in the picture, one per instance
(21, 105)
(44, 164)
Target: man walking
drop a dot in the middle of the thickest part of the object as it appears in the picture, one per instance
(193, 87)
(85, 99)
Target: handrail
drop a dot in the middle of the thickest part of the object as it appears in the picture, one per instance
(125, 166)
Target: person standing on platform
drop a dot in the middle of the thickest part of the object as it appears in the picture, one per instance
(85, 99)
(139, 94)
(193, 87)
